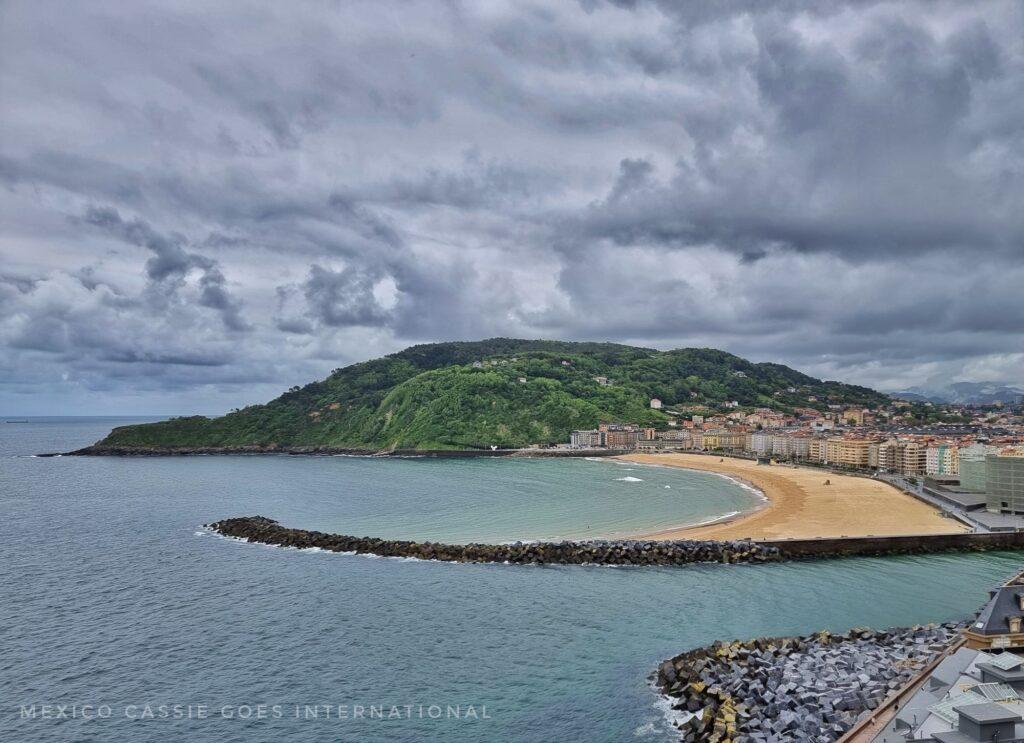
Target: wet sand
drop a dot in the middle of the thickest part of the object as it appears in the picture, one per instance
(801, 506)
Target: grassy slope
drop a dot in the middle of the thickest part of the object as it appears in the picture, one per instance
(430, 397)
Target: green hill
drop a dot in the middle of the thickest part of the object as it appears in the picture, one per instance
(499, 392)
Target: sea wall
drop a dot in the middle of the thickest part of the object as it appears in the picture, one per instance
(810, 688)
(897, 545)
(618, 552)
(621, 552)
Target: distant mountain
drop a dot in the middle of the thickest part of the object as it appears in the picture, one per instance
(965, 393)
(500, 392)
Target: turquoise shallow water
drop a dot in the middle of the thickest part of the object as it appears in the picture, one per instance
(113, 596)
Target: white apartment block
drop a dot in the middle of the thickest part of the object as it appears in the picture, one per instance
(761, 443)
(942, 459)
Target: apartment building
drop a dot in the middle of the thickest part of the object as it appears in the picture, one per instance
(586, 439)
(942, 459)
(914, 457)
(621, 439)
(847, 452)
(800, 447)
(712, 439)
(780, 446)
(733, 440)
(761, 443)
(889, 456)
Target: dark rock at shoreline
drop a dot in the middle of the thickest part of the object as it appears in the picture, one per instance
(618, 552)
(811, 688)
(164, 451)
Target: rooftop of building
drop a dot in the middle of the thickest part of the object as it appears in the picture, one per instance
(960, 685)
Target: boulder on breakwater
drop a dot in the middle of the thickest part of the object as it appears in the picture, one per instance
(811, 688)
(599, 552)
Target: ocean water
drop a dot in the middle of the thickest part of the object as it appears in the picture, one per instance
(116, 602)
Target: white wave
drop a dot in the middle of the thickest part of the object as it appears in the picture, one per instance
(628, 478)
(715, 519)
(674, 717)
(745, 485)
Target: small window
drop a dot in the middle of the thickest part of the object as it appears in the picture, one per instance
(1014, 625)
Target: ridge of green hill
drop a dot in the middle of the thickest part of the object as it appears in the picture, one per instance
(499, 392)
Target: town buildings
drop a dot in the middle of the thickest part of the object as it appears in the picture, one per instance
(983, 457)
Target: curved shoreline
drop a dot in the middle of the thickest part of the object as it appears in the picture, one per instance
(800, 505)
(764, 500)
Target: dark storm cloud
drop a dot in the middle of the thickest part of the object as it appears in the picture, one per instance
(170, 263)
(259, 194)
(343, 297)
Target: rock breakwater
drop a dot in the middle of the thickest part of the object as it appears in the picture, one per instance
(619, 552)
(810, 688)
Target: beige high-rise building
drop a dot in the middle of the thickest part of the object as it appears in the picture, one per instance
(914, 457)
(734, 440)
(889, 455)
(848, 452)
(713, 439)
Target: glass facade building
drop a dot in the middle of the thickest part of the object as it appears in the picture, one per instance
(972, 467)
(1004, 478)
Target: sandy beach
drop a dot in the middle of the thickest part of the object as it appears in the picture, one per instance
(800, 505)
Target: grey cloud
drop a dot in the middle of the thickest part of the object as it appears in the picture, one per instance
(343, 298)
(171, 262)
(634, 174)
(834, 185)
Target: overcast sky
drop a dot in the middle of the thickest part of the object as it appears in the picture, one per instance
(202, 204)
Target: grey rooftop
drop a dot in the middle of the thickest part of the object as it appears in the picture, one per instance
(988, 713)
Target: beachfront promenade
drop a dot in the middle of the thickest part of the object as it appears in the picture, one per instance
(801, 505)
